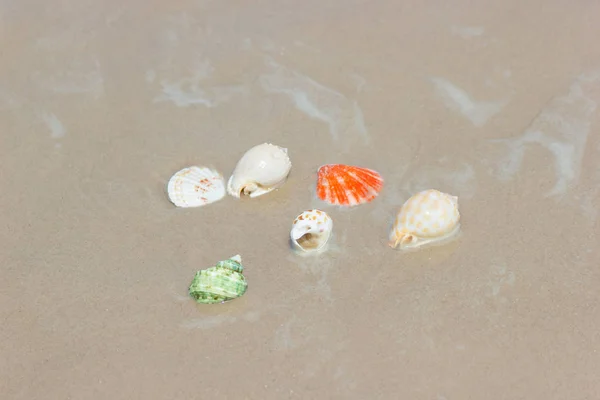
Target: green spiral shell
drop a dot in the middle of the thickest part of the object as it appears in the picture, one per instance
(232, 264)
(221, 283)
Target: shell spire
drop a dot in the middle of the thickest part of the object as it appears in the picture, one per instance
(233, 263)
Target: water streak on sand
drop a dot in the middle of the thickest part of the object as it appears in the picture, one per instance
(195, 89)
(467, 32)
(57, 129)
(459, 180)
(342, 115)
(182, 68)
(188, 92)
(562, 128)
(456, 99)
(499, 279)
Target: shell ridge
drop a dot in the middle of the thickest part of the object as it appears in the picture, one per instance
(195, 186)
(347, 185)
(220, 283)
(366, 190)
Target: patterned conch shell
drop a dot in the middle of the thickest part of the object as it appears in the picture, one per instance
(221, 283)
(261, 170)
(311, 231)
(429, 217)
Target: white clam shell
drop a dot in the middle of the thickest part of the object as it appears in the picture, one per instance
(195, 186)
(311, 231)
(429, 217)
(261, 169)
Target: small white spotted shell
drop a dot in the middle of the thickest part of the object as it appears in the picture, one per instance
(261, 170)
(195, 187)
(429, 217)
(311, 231)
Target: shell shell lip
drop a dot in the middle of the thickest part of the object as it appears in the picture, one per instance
(417, 243)
(310, 242)
(298, 233)
(302, 250)
(255, 189)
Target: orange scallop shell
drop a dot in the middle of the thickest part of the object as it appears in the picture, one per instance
(347, 185)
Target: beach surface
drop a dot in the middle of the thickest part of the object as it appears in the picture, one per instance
(496, 102)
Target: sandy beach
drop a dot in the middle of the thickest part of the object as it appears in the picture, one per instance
(496, 102)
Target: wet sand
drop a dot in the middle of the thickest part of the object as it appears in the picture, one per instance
(495, 102)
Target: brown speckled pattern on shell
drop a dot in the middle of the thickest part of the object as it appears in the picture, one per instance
(315, 215)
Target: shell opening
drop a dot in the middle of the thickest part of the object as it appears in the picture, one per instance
(248, 189)
(309, 241)
(401, 240)
(407, 239)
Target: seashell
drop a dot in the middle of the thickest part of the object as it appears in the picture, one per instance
(347, 185)
(311, 230)
(195, 187)
(261, 169)
(427, 218)
(221, 283)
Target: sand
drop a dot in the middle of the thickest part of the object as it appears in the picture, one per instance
(495, 102)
